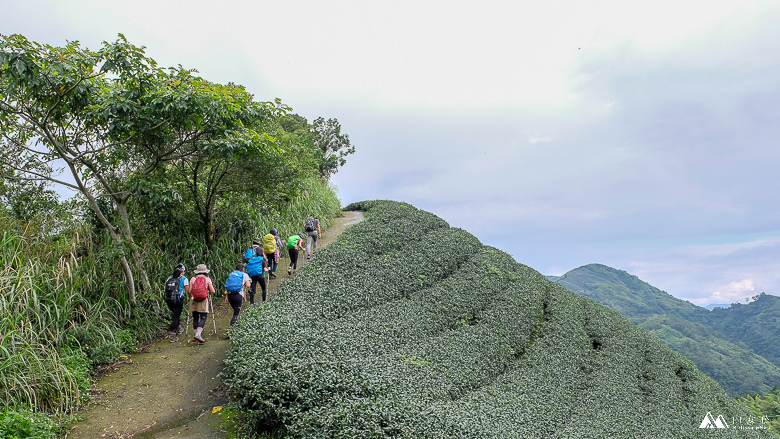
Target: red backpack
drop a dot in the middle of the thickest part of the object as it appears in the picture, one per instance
(200, 289)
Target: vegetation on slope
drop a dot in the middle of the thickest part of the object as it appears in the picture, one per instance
(168, 167)
(765, 408)
(734, 346)
(406, 327)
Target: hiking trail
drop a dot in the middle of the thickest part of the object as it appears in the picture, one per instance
(171, 390)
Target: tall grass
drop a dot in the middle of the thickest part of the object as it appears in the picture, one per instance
(63, 304)
(52, 305)
(34, 318)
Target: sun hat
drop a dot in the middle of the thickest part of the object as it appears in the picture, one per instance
(201, 269)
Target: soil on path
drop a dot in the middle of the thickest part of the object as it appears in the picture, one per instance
(171, 390)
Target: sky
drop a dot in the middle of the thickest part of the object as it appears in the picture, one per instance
(639, 135)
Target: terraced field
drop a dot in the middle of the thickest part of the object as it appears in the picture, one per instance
(406, 327)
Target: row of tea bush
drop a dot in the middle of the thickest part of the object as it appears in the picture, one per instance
(406, 327)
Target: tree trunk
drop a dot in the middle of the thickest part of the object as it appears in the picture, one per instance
(130, 280)
(138, 261)
(211, 226)
(114, 232)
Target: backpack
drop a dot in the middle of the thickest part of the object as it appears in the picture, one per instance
(255, 266)
(269, 243)
(172, 290)
(249, 254)
(309, 225)
(292, 241)
(235, 282)
(199, 289)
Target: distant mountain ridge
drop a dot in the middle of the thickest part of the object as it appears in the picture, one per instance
(712, 306)
(735, 345)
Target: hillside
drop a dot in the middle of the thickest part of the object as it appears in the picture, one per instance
(406, 327)
(733, 345)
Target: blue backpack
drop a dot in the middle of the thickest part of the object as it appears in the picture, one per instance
(249, 253)
(235, 282)
(255, 266)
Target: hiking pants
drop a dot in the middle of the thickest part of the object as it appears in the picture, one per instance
(175, 314)
(269, 257)
(199, 319)
(293, 252)
(311, 237)
(235, 300)
(255, 280)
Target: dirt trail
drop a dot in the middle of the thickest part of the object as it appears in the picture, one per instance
(170, 389)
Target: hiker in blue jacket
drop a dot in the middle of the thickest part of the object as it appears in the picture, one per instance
(256, 268)
(236, 283)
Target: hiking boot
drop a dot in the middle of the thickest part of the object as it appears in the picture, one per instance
(289, 271)
(174, 339)
(273, 276)
(199, 339)
(180, 330)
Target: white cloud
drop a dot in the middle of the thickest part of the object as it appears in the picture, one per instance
(563, 132)
(731, 293)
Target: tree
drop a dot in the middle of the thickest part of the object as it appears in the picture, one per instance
(113, 117)
(332, 144)
(222, 167)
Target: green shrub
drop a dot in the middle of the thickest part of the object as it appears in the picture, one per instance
(79, 366)
(27, 425)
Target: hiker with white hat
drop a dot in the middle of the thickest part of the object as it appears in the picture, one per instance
(200, 287)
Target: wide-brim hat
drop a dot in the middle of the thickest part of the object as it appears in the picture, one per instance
(201, 269)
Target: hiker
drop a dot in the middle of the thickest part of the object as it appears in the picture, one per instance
(237, 281)
(252, 251)
(256, 269)
(279, 247)
(200, 287)
(175, 287)
(294, 244)
(270, 250)
(313, 232)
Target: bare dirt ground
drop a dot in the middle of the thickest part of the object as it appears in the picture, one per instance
(171, 390)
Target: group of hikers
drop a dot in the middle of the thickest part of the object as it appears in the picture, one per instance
(261, 258)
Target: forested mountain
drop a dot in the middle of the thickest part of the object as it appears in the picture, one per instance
(733, 345)
(407, 328)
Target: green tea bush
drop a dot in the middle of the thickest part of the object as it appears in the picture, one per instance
(406, 327)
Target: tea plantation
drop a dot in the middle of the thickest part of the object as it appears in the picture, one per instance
(408, 328)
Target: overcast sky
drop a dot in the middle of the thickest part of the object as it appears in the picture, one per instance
(640, 135)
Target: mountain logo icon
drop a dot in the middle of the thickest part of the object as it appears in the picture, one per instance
(711, 422)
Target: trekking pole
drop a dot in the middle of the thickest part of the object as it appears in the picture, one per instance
(213, 317)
